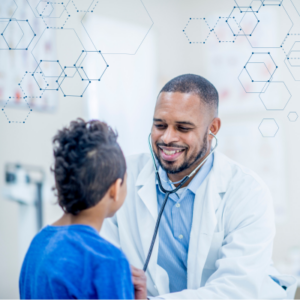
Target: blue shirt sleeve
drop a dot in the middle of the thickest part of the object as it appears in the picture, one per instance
(116, 283)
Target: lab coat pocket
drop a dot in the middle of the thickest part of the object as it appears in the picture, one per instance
(214, 250)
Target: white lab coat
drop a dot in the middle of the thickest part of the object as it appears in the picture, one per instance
(231, 238)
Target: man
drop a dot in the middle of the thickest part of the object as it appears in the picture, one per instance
(216, 233)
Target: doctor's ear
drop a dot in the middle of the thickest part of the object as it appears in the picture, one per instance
(214, 127)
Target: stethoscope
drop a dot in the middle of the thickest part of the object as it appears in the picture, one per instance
(167, 193)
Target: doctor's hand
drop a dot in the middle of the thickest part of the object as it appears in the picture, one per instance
(139, 280)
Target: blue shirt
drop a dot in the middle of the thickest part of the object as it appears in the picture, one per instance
(73, 261)
(175, 226)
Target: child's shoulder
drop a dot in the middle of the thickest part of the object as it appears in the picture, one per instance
(74, 245)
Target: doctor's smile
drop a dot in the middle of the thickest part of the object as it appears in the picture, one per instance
(170, 153)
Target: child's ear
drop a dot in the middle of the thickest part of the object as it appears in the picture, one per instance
(114, 190)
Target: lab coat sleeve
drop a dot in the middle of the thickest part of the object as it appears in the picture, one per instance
(245, 254)
(110, 232)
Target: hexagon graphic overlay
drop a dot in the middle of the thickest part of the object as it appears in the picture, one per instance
(262, 37)
(86, 59)
(111, 36)
(73, 86)
(257, 72)
(292, 116)
(242, 21)
(268, 127)
(197, 31)
(276, 96)
(222, 31)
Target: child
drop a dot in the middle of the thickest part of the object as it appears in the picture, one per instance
(69, 259)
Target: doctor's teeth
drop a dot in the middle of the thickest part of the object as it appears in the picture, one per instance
(171, 152)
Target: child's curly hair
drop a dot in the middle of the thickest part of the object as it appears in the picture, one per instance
(88, 160)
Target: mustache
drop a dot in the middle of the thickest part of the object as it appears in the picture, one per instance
(170, 145)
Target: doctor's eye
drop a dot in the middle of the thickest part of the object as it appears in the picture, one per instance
(160, 126)
(184, 129)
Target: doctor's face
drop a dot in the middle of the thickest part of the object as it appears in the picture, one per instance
(180, 131)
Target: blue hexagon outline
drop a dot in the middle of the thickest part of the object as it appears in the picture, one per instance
(38, 67)
(27, 22)
(36, 8)
(116, 52)
(284, 37)
(20, 84)
(70, 77)
(268, 53)
(19, 122)
(291, 113)
(275, 109)
(263, 89)
(38, 16)
(12, 20)
(79, 66)
(234, 38)
(262, 122)
(238, 7)
(209, 30)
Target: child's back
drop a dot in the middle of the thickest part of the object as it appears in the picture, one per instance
(74, 262)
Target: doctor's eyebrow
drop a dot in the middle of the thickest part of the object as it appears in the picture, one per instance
(178, 122)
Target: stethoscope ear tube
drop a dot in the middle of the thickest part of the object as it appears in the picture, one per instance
(167, 193)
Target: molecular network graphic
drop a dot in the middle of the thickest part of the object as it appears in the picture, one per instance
(67, 73)
(249, 19)
(70, 75)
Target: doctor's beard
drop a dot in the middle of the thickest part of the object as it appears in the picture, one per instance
(188, 161)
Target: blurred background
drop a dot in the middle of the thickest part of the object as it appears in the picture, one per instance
(108, 60)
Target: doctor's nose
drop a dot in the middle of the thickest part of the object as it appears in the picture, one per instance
(169, 136)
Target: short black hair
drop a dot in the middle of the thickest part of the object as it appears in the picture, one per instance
(88, 160)
(191, 83)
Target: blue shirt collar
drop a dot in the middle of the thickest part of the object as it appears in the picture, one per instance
(196, 181)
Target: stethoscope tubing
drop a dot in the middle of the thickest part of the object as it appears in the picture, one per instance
(167, 193)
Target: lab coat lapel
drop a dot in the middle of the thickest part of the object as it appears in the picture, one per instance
(207, 200)
(147, 214)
